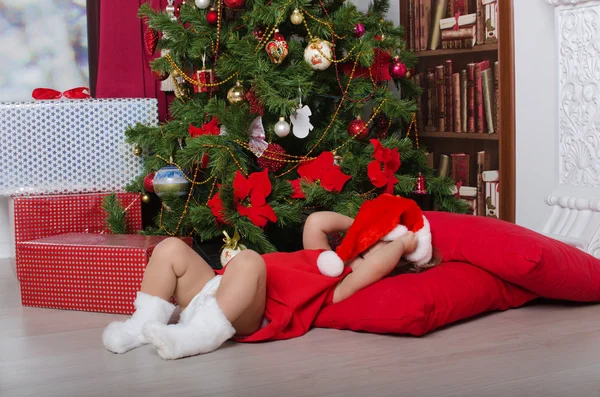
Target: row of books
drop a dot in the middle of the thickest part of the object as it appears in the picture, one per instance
(459, 102)
(448, 23)
(484, 197)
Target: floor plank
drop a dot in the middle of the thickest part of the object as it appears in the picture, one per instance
(545, 349)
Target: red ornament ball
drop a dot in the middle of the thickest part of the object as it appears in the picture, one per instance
(149, 183)
(159, 75)
(269, 159)
(359, 30)
(358, 129)
(235, 4)
(212, 17)
(397, 68)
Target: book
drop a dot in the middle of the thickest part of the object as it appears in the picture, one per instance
(479, 113)
(467, 32)
(429, 159)
(444, 166)
(480, 22)
(425, 23)
(419, 77)
(497, 96)
(491, 21)
(463, 100)
(463, 20)
(460, 168)
(441, 98)
(438, 14)
(457, 7)
(471, 97)
(488, 99)
(483, 164)
(449, 107)
(411, 24)
(469, 194)
(417, 10)
(492, 193)
(458, 43)
(457, 111)
(431, 101)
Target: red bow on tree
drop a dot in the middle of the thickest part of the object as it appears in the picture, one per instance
(49, 93)
(379, 69)
(210, 128)
(381, 170)
(216, 207)
(250, 197)
(322, 170)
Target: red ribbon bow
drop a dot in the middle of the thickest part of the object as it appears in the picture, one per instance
(49, 93)
(456, 16)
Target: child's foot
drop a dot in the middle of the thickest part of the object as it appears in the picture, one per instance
(165, 343)
(119, 338)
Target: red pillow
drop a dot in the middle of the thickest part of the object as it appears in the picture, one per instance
(419, 303)
(545, 266)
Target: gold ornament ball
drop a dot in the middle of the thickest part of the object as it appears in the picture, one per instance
(297, 18)
(236, 94)
(137, 151)
(407, 75)
(145, 198)
(175, 73)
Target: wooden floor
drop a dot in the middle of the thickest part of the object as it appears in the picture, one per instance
(542, 350)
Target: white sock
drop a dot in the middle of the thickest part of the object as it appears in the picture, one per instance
(202, 332)
(122, 336)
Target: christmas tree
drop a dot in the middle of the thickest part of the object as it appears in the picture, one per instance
(266, 126)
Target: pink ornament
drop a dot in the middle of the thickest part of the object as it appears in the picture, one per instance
(397, 69)
(359, 30)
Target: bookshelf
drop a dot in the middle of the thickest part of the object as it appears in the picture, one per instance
(499, 146)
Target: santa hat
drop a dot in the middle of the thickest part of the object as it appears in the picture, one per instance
(385, 218)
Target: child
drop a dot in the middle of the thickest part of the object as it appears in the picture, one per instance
(273, 296)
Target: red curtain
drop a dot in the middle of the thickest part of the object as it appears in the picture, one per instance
(123, 70)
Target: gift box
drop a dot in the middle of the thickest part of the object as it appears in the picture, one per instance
(84, 271)
(70, 146)
(34, 217)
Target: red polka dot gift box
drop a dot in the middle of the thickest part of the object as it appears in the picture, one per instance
(34, 217)
(84, 271)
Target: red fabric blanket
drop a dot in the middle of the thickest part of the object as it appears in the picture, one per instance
(487, 265)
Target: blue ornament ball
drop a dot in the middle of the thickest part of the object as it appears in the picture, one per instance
(170, 179)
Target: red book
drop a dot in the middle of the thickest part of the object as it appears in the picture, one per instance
(497, 96)
(441, 97)
(460, 168)
(449, 96)
(480, 12)
(479, 114)
(471, 97)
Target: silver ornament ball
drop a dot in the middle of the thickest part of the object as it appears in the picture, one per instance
(203, 4)
(282, 128)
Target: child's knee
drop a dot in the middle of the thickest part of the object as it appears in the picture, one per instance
(169, 247)
(247, 261)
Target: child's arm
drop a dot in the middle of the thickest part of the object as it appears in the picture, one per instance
(319, 224)
(375, 266)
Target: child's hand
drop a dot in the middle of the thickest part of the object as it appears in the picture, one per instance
(410, 242)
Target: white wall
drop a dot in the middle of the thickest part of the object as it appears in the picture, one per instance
(536, 81)
(393, 13)
(5, 237)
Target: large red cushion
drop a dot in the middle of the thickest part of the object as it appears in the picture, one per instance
(419, 303)
(545, 266)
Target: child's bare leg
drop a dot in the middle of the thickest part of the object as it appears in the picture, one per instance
(237, 306)
(174, 269)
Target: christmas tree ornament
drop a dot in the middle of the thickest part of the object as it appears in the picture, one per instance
(212, 17)
(137, 151)
(359, 30)
(255, 106)
(207, 79)
(203, 4)
(296, 17)
(145, 198)
(318, 54)
(170, 9)
(282, 128)
(236, 94)
(170, 180)
(301, 121)
(231, 248)
(149, 183)
(257, 142)
(397, 68)
(420, 187)
(277, 49)
(358, 128)
(259, 32)
(407, 75)
(234, 4)
(160, 75)
(383, 126)
(150, 40)
(273, 159)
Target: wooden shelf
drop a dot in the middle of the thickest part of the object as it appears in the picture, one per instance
(458, 135)
(477, 48)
